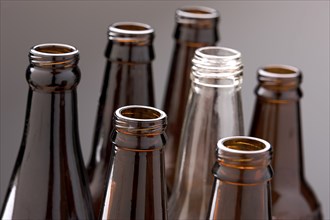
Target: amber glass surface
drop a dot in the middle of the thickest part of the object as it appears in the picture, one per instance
(127, 80)
(277, 119)
(242, 174)
(136, 186)
(49, 180)
(196, 26)
(213, 111)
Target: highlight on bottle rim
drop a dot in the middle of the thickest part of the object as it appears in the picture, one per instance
(279, 71)
(243, 145)
(53, 49)
(140, 113)
(197, 12)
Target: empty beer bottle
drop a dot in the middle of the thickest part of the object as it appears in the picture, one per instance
(196, 26)
(136, 186)
(127, 80)
(214, 110)
(242, 174)
(277, 119)
(49, 180)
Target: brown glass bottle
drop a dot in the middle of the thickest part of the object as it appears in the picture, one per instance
(49, 180)
(277, 119)
(242, 174)
(196, 26)
(127, 81)
(136, 186)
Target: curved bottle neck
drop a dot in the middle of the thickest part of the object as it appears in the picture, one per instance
(279, 83)
(197, 24)
(136, 123)
(277, 119)
(130, 42)
(53, 68)
(217, 67)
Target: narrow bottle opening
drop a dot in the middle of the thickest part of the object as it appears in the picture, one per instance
(53, 49)
(130, 28)
(214, 52)
(197, 12)
(140, 113)
(244, 144)
(216, 66)
(140, 120)
(241, 144)
(54, 55)
(279, 71)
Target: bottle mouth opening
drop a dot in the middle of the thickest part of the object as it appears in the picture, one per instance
(53, 49)
(243, 145)
(197, 12)
(215, 52)
(140, 113)
(279, 71)
(134, 28)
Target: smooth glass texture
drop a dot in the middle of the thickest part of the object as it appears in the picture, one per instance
(196, 27)
(49, 180)
(136, 186)
(242, 174)
(214, 110)
(127, 80)
(277, 119)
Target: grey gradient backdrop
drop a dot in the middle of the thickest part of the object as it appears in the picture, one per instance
(266, 32)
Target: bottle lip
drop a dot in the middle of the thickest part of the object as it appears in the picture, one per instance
(38, 50)
(54, 55)
(197, 12)
(216, 66)
(279, 71)
(141, 28)
(160, 114)
(235, 54)
(260, 143)
(129, 32)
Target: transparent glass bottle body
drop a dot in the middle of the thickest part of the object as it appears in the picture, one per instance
(214, 110)
(49, 180)
(136, 186)
(196, 27)
(242, 174)
(277, 119)
(127, 80)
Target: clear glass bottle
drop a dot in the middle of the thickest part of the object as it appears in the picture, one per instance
(277, 119)
(136, 186)
(128, 80)
(214, 110)
(49, 180)
(196, 26)
(242, 174)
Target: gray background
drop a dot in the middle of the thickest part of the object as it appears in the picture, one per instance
(266, 32)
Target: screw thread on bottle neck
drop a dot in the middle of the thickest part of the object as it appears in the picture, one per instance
(54, 55)
(140, 120)
(131, 33)
(217, 67)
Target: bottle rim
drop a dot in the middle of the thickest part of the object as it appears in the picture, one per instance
(264, 145)
(279, 71)
(160, 114)
(36, 50)
(145, 28)
(235, 54)
(205, 12)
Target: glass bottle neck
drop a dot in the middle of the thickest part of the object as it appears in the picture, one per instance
(51, 120)
(241, 188)
(196, 24)
(130, 42)
(277, 119)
